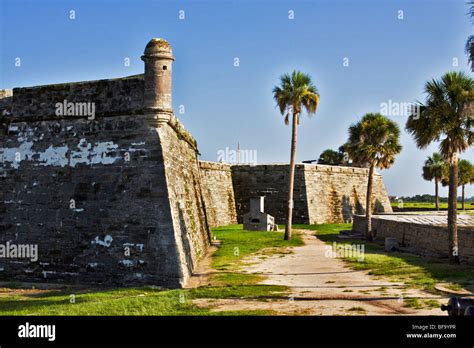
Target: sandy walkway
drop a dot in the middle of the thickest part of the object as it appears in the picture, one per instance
(322, 285)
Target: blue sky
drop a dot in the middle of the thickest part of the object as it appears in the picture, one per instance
(389, 59)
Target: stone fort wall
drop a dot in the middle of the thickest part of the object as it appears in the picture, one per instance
(218, 192)
(322, 194)
(113, 199)
(416, 235)
(270, 181)
(113, 97)
(336, 193)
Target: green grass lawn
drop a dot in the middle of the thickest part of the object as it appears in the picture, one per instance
(415, 271)
(228, 282)
(225, 283)
(236, 244)
(427, 205)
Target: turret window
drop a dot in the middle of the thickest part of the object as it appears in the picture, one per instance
(165, 67)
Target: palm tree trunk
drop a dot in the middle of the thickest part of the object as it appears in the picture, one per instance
(436, 194)
(452, 210)
(368, 204)
(289, 218)
(462, 198)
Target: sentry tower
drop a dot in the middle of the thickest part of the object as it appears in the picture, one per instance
(158, 58)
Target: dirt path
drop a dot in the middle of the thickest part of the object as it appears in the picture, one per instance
(322, 285)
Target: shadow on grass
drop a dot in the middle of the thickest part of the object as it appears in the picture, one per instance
(133, 301)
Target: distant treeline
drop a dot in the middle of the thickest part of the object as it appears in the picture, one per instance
(424, 199)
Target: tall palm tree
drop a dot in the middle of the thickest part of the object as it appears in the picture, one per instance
(296, 91)
(466, 176)
(374, 141)
(435, 169)
(447, 116)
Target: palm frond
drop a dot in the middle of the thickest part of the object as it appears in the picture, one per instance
(374, 140)
(296, 91)
(447, 114)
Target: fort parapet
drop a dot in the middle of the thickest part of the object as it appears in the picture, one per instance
(113, 97)
(322, 193)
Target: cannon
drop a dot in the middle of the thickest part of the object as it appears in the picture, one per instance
(459, 306)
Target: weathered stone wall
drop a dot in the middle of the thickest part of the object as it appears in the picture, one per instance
(113, 200)
(218, 193)
(419, 237)
(192, 233)
(270, 181)
(322, 194)
(73, 193)
(122, 96)
(335, 193)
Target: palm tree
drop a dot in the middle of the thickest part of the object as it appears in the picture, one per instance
(447, 116)
(373, 141)
(330, 157)
(435, 169)
(466, 176)
(296, 91)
